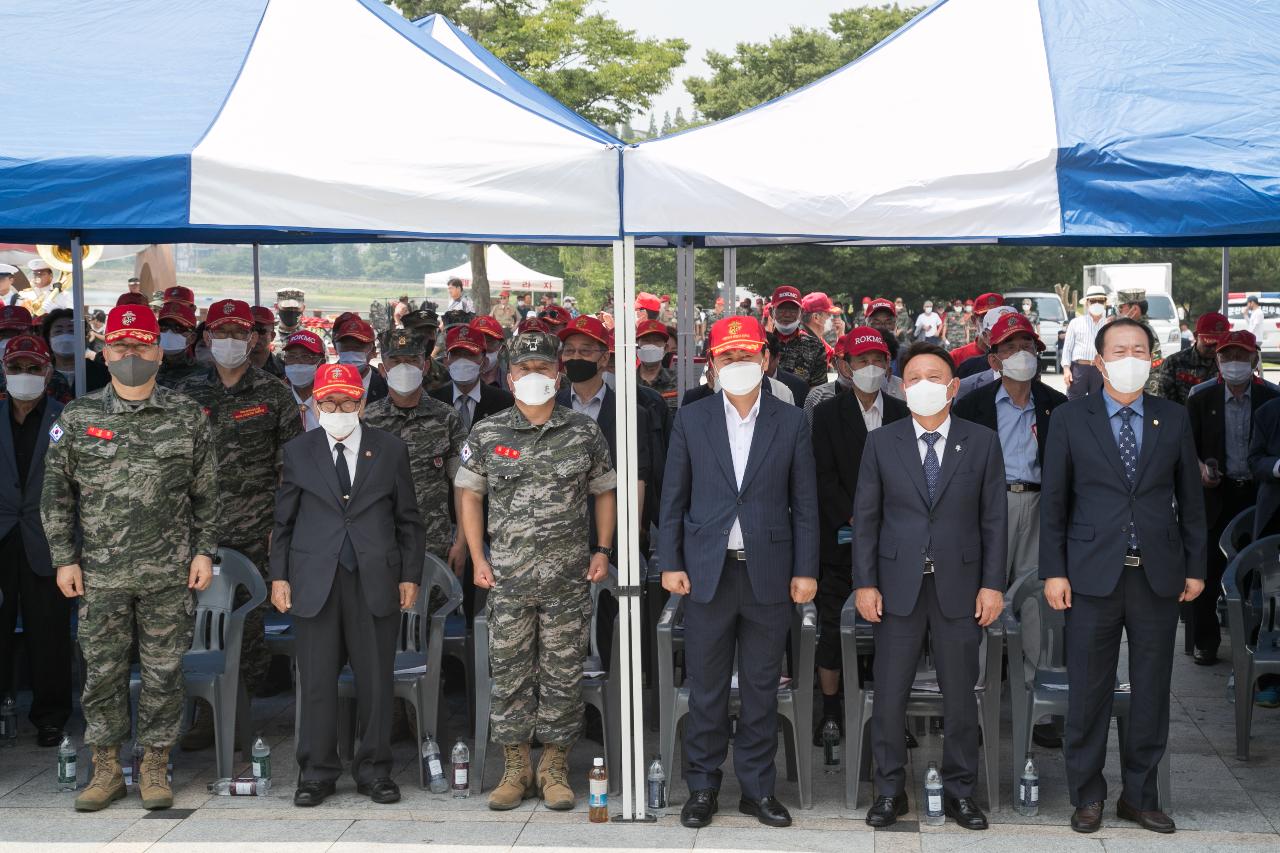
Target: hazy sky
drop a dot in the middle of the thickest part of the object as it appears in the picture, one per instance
(714, 25)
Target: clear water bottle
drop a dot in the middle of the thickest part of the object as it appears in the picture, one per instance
(598, 801)
(261, 759)
(461, 759)
(933, 813)
(831, 747)
(66, 764)
(8, 722)
(1029, 790)
(656, 787)
(133, 770)
(433, 766)
(240, 787)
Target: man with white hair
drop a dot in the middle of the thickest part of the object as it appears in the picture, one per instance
(1078, 371)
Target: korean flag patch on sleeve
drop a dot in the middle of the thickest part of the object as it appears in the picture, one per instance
(466, 452)
(55, 432)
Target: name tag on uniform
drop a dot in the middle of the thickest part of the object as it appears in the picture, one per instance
(251, 412)
(506, 452)
(99, 432)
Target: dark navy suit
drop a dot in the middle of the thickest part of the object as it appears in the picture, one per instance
(737, 609)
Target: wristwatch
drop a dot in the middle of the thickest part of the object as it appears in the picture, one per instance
(603, 549)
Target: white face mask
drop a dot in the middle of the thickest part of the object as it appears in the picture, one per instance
(24, 386)
(1020, 367)
(1128, 374)
(404, 378)
(534, 389)
(356, 357)
(339, 425)
(229, 352)
(63, 344)
(740, 378)
(927, 398)
(490, 360)
(786, 328)
(1236, 372)
(463, 371)
(869, 378)
(650, 353)
(1096, 309)
(172, 342)
(928, 309)
(300, 375)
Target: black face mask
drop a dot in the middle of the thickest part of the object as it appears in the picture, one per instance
(580, 369)
(290, 317)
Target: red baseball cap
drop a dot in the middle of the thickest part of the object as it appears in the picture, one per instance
(648, 302)
(137, 322)
(233, 312)
(652, 327)
(263, 316)
(986, 302)
(1009, 325)
(1242, 339)
(882, 304)
(817, 303)
(309, 341)
(861, 340)
(1213, 326)
(337, 379)
(555, 315)
(131, 299)
(486, 325)
(464, 337)
(736, 333)
(664, 298)
(15, 317)
(532, 324)
(178, 293)
(353, 327)
(589, 326)
(178, 312)
(786, 293)
(28, 346)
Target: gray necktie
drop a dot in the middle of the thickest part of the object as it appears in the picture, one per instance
(464, 411)
(932, 468)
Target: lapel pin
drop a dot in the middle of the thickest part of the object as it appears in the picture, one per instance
(957, 448)
(368, 454)
(1155, 423)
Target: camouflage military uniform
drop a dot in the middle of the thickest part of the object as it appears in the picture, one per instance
(959, 329)
(805, 355)
(1180, 372)
(665, 383)
(538, 479)
(902, 325)
(505, 314)
(251, 421)
(173, 372)
(130, 493)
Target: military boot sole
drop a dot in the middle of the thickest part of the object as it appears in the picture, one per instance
(158, 803)
(95, 805)
(558, 805)
(507, 805)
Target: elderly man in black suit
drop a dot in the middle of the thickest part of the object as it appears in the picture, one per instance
(1122, 543)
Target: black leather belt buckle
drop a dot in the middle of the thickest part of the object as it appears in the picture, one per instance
(1020, 488)
(1133, 561)
(928, 567)
(737, 555)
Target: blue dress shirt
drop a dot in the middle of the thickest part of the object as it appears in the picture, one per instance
(1113, 415)
(1017, 438)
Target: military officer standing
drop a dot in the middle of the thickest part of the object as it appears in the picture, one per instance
(1188, 367)
(252, 415)
(538, 463)
(290, 308)
(130, 507)
(426, 323)
(803, 353)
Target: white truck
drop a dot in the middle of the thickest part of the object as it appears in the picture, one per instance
(1157, 281)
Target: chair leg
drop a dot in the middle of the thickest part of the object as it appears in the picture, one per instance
(989, 714)
(244, 719)
(224, 733)
(855, 738)
(1022, 709)
(1244, 709)
(667, 745)
(790, 748)
(482, 739)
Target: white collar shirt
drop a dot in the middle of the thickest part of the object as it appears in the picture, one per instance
(350, 449)
(591, 406)
(741, 431)
(873, 417)
(939, 447)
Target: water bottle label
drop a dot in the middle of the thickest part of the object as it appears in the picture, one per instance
(433, 768)
(460, 777)
(935, 804)
(1035, 794)
(599, 787)
(598, 801)
(242, 789)
(257, 768)
(657, 795)
(67, 770)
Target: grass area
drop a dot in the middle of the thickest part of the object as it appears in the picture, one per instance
(329, 295)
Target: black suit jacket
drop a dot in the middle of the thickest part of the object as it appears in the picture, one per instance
(1086, 502)
(21, 507)
(377, 387)
(839, 434)
(1207, 412)
(381, 518)
(967, 525)
(1264, 452)
(492, 400)
(980, 407)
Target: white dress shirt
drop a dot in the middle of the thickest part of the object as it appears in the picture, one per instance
(874, 416)
(350, 449)
(308, 412)
(589, 407)
(472, 398)
(741, 431)
(1078, 343)
(939, 446)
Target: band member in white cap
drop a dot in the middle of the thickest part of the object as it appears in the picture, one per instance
(8, 293)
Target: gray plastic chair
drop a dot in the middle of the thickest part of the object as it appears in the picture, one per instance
(1045, 691)
(795, 700)
(419, 647)
(211, 669)
(857, 637)
(1237, 534)
(1251, 584)
(601, 692)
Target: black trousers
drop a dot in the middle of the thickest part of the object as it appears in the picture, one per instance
(835, 583)
(1093, 629)
(733, 624)
(345, 631)
(46, 637)
(1202, 613)
(954, 644)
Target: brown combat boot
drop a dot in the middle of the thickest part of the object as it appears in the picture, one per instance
(153, 783)
(553, 778)
(107, 784)
(517, 779)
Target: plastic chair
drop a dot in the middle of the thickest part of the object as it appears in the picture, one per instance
(1046, 690)
(795, 699)
(211, 669)
(858, 638)
(420, 646)
(1237, 534)
(601, 692)
(1251, 584)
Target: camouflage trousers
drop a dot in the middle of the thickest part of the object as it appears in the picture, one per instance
(164, 623)
(536, 647)
(255, 660)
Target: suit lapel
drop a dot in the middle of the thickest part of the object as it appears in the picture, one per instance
(910, 457)
(761, 439)
(953, 456)
(851, 412)
(366, 458)
(324, 463)
(1100, 424)
(42, 440)
(1151, 430)
(719, 436)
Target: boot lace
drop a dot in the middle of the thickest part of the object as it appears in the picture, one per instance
(515, 766)
(102, 757)
(156, 768)
(557, 771)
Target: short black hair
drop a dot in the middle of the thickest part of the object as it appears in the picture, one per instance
(1100, 339)
(1254, 300)
(920, 348)
(47, 321)
(772, 343)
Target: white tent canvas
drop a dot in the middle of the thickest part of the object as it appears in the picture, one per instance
(505, 273)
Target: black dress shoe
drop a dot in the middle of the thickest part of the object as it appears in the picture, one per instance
(48, 736)
(1154, 820)
(699, 808)
(1205, 657)
(885, 811)
(965, 811)
(1046, 735)
(380, 791)
(767, 810)
(312, 793)
(1087, 818)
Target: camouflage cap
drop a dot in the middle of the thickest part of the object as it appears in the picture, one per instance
(1128, 297)
(289, 298)
(403, 342)
(528, 346)
(457, 318)
(422, 318)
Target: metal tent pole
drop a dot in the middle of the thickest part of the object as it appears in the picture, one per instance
(730, 280)
(1226, 279)
(77, 296)
(686, 346)
(257, 276)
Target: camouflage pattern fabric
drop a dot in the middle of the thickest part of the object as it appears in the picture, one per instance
(665, 383)
(959, 329)
(435, 376)
(251, 422)
(174, 371)
(902, 325)
(805, 356)
(432, 431)
(1180, 372)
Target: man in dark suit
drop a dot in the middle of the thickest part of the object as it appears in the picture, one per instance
(929, 558)
(1122, 542)
(738, 536)
(1221, 423)
(474, 400)
(27, 581)
(840, 428)
(346, 556)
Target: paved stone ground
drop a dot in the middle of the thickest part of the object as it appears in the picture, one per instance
(1219, 803)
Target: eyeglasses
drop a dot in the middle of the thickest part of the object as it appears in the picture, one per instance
(588, 352)
(239, 334)
(346, 406)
